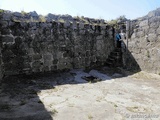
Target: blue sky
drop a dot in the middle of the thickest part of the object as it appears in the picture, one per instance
(105, 9)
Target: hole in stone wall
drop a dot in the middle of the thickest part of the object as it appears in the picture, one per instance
(99, 28)
(91, 79)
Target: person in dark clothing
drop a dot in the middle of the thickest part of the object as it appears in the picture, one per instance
(118, 40)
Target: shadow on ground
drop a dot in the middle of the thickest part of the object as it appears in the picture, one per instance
(19, 98)
(131, 63)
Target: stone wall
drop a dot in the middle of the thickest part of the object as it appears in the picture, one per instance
(1, 67)
(32, 47)
(144, 43)
(34, 17)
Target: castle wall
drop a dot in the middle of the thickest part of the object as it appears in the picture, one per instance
(144, 43)
(33, 47)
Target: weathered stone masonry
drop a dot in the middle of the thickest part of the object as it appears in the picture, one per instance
(50, 46)
(144, 43)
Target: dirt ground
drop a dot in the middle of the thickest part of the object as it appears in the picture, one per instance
(74, 96)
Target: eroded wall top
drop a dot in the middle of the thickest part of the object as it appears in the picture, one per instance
(36, 46)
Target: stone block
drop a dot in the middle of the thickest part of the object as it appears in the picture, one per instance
(155, 19)
(27, 70)
(68, 66)
(37, 56)
(154, 25)
(1, 73)
(47, 57)
(37, 64)
(36, 70)
(143, 23)
(61, 66)
(92, 27)
(152, 31)
(54, 68)
(133, 36)
(5, 31)
(59, 54)
(18, 40)
(47, 63)
(67, 24)
(158, 31)
(93, 59)
(17, 14)
(99, 45)
(152, 37)
(74, 26)
(7, 16)
(145, 28)
(30, 51)
(26, 65)
(11, 23)
(140, 34)
(61, 37)
(87, 61)
(104, 27)
(10, 72)
(8, 66)
(7, 38)
(100, 37)
(81, 26)
(76, 60)
(88, 53)
(50, 48)
(55, 61)
(82, 32)
(66, 54)
(7, 56)
(158, 38)
(46, 69)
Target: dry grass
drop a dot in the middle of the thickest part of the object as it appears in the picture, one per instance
(146, 76)
(90, 117)
(42, 18)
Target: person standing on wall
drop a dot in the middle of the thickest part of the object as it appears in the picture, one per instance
(118, 40)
